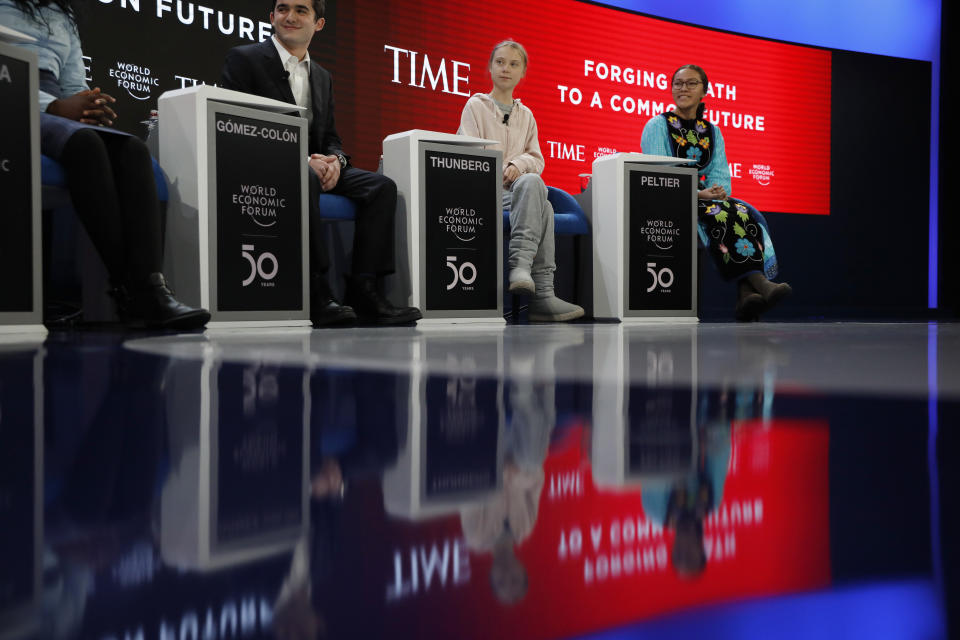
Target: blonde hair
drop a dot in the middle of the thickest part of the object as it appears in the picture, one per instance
(510, 43)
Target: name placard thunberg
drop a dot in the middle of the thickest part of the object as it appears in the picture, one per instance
(17, 183)
(462, 223)
(660, 230)
(258, 188)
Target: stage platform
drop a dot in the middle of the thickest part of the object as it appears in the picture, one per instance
(590, 480)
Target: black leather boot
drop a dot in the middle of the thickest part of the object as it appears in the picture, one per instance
(373, 308)
(750, 304)
(150, 303)
(325, 311)
(772, 292)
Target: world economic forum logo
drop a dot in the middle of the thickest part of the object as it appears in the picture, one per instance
(762, 173)
(137, 80)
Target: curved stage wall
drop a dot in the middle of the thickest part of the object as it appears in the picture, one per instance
(807, 130)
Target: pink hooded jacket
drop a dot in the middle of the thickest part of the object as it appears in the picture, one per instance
(518, 139)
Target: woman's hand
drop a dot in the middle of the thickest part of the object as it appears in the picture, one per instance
(716, 192)
(89, 107)
(510, 175)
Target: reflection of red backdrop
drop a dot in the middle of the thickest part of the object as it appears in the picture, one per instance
(787, 85)
(784, 547)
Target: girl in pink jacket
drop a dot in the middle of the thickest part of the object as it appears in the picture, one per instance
(499, 116)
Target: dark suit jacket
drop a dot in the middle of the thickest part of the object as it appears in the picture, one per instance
(257, 69)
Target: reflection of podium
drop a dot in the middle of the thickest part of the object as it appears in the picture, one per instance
(239, 442)
(449, 225)
(21, 303)
(236, 236)
(645, 428)
(644, 230)
(454, 451)
(21, 487)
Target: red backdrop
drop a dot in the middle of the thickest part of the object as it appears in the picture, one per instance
(412, 65)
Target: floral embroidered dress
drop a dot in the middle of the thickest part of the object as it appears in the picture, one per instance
(734, 232)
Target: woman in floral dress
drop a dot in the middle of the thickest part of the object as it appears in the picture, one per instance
(734, 232)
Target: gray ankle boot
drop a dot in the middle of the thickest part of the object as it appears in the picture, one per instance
(546, 307)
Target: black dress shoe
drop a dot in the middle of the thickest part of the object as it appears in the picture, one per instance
(151, 304)
(373, 308)
(327, 312)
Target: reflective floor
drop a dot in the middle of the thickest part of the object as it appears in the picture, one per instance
(580, 481)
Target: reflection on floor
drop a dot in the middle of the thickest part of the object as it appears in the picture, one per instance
(525, 482)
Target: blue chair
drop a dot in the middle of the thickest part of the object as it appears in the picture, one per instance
(336, 208)
(568, 217)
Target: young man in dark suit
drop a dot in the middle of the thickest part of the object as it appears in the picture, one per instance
(280, 68)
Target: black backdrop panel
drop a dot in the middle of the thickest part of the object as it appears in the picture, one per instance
(868, 258)
(137, 49)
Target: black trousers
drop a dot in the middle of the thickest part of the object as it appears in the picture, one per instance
(110, 180)
(375, 196)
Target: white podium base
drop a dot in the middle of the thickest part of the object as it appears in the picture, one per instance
(663, 320)
(11, 332)
(251, 324)
(472, 323)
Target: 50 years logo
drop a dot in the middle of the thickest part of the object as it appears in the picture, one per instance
(662, 277)
(464, 275)
(259, 266)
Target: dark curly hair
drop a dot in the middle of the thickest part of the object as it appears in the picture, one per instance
(32, 8)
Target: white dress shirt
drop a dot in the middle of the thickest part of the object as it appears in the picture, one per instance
(299, 71)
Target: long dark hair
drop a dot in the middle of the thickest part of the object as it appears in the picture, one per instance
(32, 8)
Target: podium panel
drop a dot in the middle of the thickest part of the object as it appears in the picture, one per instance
(449, 226)
(455, 449)
(645, 430)
(259, 233)
(237, 216)
(21, 487)
(645, 242)
(258, 456)
(659, 229)
(462, 250)
(240, 449)
(21, 292)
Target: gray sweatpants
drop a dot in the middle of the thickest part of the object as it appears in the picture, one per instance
(531, 230)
